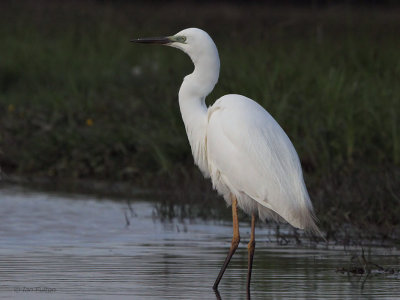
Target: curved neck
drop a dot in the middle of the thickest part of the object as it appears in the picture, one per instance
(197, 85)
(192, 94)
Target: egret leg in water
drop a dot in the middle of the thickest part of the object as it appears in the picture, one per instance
(251, 161)
(234, 243)
(250, 247)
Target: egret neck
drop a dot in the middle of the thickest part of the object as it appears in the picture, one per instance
(194, 89)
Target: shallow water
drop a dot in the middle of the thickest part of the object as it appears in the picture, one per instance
(74, 246)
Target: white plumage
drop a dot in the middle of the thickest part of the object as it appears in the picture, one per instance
(250, 155)
(237, 143)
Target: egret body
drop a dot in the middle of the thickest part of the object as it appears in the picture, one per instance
(239, 145)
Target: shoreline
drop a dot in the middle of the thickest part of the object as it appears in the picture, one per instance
(169, 207)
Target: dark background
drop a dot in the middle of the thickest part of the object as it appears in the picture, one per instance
(79, 103)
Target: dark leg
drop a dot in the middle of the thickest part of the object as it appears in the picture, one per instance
(251, 246)
(217, 295)
(234, 244)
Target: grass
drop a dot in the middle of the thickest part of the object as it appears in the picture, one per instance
(77, 100)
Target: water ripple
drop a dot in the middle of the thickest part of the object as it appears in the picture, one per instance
(61, 247)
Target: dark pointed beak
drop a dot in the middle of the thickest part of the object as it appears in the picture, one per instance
(153, 40)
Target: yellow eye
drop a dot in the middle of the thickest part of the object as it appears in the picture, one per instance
(181, 39)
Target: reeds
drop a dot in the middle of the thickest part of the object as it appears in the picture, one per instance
(77, 100)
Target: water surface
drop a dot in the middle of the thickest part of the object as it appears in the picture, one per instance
(73, 246)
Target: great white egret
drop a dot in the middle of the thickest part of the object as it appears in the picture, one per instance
(239, 145)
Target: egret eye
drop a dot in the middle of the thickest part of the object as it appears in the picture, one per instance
(181, 39)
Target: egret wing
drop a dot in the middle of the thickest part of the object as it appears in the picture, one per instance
(250, 153)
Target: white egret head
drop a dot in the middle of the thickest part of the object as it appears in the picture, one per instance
(193, 41)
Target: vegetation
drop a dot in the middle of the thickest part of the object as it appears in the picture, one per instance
(77, 100)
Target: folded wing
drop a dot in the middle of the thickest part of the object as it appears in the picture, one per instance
(253, 155)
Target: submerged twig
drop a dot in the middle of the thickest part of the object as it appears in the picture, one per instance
(127, 219)
(359, 265)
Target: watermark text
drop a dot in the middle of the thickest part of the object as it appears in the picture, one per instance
(35, 289)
